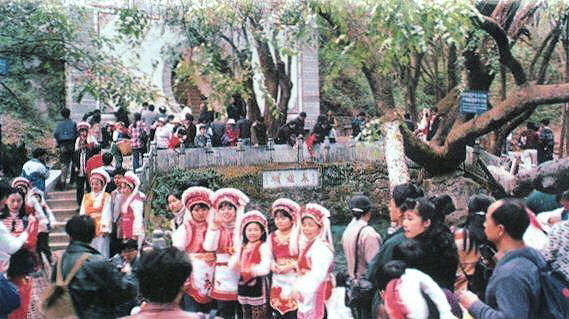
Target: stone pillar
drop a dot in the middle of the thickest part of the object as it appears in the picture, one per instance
(307, 87)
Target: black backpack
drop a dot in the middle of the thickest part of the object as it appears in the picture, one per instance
(554, 292)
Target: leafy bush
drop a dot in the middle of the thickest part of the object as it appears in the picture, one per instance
(339, 182)
(13, 158)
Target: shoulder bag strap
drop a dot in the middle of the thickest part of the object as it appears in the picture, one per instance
(75, 268)
(356, 253)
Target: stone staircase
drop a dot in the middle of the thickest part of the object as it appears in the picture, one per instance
(63, 206)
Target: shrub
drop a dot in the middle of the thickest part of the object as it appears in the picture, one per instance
(339, 182)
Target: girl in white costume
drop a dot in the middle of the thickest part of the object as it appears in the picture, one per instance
(130, 224)
(223, 238)
(97, 204)
(284, 248)
(315, 263)
(189, 237)
(253, 261)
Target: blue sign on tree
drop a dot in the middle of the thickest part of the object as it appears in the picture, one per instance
(4, 64)
(474, 102)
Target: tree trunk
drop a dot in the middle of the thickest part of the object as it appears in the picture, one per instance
(503, 84)
(564, 129)
(397, 169)
(451, 68)
(445, 158)
(381, 88)
(285, 87)
(253, 110)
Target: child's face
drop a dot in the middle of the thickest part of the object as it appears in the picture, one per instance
(310, 228)
(199, 212)
(227, 213)
(96, 185)
(117, 179)
(174, 204)
(14, 202)
(282, 221)
(253, 232)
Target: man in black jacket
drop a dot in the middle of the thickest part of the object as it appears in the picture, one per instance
(98, 288)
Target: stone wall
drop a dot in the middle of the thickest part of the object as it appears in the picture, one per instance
(165, 160)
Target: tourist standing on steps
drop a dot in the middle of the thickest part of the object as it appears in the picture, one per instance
(189, 237)
(45, 224)
(36, 170)
(97, 204)
(284, 247)
(85, 147)
(115, 241)
(315, 263)
(138, 136)
(359, 234)
(177, 208)
(223, 237)
(65, 135)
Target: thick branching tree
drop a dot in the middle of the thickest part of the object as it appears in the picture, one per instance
(232, 33)
(400, 37)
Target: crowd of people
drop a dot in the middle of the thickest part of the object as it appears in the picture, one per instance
(225, 260)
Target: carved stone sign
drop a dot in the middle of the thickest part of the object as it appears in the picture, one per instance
(287, 178)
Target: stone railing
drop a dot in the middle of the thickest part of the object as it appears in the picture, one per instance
(160, 160)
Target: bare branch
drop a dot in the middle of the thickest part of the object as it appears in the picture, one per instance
(499, 35)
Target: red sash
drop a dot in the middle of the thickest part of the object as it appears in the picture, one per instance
(126, 221)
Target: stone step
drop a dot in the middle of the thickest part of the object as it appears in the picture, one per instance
(58, 237)
(58, 226)
(70, 195)
(58, 246)
(62, 203)
(63, 214)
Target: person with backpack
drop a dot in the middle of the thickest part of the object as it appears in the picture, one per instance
(95, 287)
(65, 135)
(361, 243)
(546, 142)
(515, 288)
(162, 274)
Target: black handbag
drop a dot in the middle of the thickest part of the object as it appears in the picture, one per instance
(358, 290)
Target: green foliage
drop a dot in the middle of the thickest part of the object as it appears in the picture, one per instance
(132, 22)
(176, 180)
(372, 130)
(12, 159)
(339, 181)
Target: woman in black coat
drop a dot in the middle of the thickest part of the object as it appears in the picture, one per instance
(424, 223)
